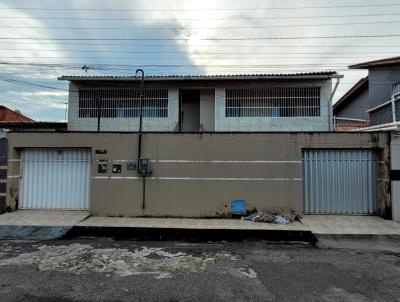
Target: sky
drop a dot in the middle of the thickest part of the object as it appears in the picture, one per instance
(41, 40)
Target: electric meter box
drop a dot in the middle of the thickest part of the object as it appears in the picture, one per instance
(144, 167)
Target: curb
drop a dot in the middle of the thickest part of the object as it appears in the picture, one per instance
(191, 235)
(377, 242)
(33, 232)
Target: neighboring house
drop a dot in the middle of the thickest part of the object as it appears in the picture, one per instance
(32, 126)
(15, 121)
(350, 111)
(223, 103)
(8, 115)
(383, 83)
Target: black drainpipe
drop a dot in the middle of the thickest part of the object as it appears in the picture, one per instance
(140, 136)
(98, 100)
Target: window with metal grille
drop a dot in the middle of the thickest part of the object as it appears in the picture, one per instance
(123, 103)
(273, 102)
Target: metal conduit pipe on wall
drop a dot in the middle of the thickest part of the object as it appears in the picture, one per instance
(140, 137)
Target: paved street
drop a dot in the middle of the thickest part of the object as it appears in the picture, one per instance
(106, 270)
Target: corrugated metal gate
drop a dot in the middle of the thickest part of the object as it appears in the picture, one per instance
(55, 179)
(339, 181)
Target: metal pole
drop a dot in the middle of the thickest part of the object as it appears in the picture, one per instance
(144, 193)
(140, 112)
(140, 136)
(141, 98)
(98, 113)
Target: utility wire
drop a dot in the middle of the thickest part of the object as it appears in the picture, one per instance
(200, 28)
(197, 52)
(29, 83)
(202, 19)
(129, 65)
(207, 39)
(81, 43)
(201, 9)
(238, 65)
(198, 57)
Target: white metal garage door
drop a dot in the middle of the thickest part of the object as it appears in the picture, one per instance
(339, 181)
(55, 179)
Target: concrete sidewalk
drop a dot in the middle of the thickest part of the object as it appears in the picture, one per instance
(330, 230)
(354, 232)
(317, 224)
(350, 225)
(189, 229)
(188, 223)
(39, 224)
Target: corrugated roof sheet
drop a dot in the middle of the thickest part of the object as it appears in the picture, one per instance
(382, 62)
(305, 75)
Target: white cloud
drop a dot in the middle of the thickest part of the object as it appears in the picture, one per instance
(261, 54)
(26, 94)
(22, 51)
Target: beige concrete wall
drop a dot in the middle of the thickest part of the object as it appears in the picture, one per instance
(196, 175)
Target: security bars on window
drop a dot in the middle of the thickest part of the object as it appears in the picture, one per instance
(123, 103)
(273, 102)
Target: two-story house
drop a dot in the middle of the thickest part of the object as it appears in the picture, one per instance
(222, 103)
(206, 141)
(375, 98)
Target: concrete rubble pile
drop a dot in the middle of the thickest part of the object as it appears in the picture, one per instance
(271, 218)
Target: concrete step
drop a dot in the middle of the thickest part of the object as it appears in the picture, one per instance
(371, 242)
(190, 234)
(39, 224)
(30, 232)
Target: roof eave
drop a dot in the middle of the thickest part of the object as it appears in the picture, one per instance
(376, 63)
(219, 78)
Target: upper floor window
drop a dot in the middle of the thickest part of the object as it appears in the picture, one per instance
(123, 103)
(273, 102)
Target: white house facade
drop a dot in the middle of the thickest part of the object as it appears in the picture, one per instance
(242, 103)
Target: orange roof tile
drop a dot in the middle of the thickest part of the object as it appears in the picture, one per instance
(8, 115)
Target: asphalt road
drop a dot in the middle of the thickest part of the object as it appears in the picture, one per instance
(106, 270)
